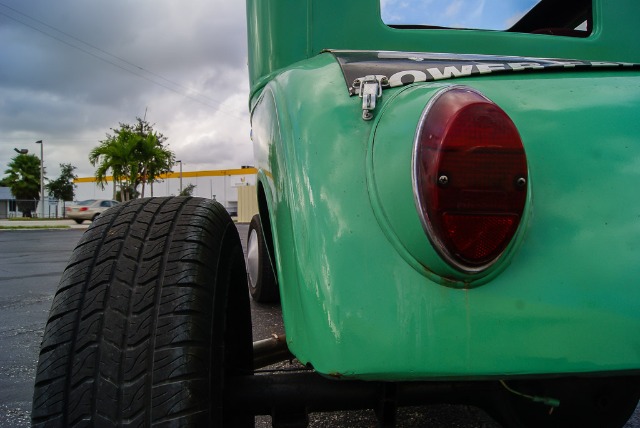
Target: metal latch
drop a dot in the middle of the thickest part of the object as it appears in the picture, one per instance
(369, 88)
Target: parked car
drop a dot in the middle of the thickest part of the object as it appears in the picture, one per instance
(89, 209)
(447, 214)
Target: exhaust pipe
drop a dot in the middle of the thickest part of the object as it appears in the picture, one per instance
(271, 351)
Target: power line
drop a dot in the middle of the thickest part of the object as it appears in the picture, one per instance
(109, 58)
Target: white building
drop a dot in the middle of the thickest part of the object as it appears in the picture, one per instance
(221, 185)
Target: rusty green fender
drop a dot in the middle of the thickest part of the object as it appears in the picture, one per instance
(363, 293)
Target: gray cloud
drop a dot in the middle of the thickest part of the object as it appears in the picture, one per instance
(184, 63)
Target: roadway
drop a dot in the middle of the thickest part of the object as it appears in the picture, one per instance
(31, 263)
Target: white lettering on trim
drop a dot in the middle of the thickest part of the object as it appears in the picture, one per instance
(396, 79)
(525, 66)
(488, 68)
(450, 72)
(603, 64)
(573, 64)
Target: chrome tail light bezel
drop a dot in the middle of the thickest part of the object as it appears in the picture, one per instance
(439, 244)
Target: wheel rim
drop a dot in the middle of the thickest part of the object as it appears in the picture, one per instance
(253, 258)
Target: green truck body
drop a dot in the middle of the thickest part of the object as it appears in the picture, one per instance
(364, 293)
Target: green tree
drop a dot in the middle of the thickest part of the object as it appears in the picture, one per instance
(114, 154)
(63, 188)
(153, 157)
(135, 155)
(23, 178)
(188, 190)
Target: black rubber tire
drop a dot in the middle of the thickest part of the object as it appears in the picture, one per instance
(94, 217)
(260, 275)
(78, 221)
(150, 320)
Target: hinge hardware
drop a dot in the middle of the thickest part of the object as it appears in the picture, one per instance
(369, 88)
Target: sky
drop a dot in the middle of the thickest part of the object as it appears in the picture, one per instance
(479, 14)
(70, 70)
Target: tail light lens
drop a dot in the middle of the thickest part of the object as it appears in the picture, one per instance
(84, 208)
(470, 178)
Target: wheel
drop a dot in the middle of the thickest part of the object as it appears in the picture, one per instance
(78, 220)
(606, 402)
(150, 321)
(94, 217)
(262, 281)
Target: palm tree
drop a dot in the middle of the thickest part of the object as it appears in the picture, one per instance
(113, 154)
(135, 155)
(154, 159)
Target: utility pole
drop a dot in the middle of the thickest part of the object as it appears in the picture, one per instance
(41, 177)
(180, 162)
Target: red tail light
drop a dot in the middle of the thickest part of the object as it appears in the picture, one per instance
(470, 178)
(84, 208)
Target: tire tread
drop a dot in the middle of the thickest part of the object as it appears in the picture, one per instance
(128, 335)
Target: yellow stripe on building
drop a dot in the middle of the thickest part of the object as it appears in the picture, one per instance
(185, 174)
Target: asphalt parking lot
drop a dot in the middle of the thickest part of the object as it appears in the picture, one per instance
(31, 262)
